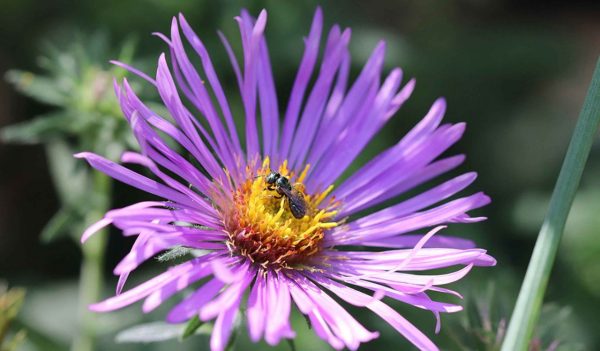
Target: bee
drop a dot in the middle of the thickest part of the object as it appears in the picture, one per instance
(295, 198)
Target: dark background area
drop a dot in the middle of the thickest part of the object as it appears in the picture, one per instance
(515, 71)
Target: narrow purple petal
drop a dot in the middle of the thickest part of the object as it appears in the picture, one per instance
(257, 309)
(339, 320)
(121, 283)
(395, 277)
(279, 308)
(251, 37)
(94, 228)
(168, 92)
(267, 96)
(212, 78)
(230, 295)
(182, 271)
(199, 96)
(228, 274)
(402, 169)
(134, 71)
(160, 295)
(399, 323)
(305, 70)
(348, 144)
(135, 158)
(381, 162)
(408, 241)
(223, 326)
(318, 323)
(132, 105)
(337, 48)
(129, 177)
(232, 59)
(191, 305)
(356, 232)
(336, 99)
(419, 202)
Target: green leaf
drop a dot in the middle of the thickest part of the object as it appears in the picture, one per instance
(39, 129)
(71, 179)
(150, 332)
(38, 87)
(160, 331)
(191, 327)
(59, 225)
(292, 344)
(531, 296)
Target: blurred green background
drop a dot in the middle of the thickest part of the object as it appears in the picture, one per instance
(515, 71)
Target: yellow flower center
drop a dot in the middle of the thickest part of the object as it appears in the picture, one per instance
(262, 227)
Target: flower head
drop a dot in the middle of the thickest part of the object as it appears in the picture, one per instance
(265, 216)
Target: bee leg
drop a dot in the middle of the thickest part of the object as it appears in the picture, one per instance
(273, 196)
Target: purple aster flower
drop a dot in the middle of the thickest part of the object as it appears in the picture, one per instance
(288, 238)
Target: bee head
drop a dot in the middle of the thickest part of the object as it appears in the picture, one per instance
(272, 177)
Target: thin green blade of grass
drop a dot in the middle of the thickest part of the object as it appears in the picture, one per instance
(529, 302)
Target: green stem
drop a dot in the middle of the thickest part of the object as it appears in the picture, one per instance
(530, 298)
(91, 280)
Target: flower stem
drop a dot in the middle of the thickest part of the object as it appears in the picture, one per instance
(530, 298)
(91, 279)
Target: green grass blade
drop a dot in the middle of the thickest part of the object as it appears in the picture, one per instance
(530, 298)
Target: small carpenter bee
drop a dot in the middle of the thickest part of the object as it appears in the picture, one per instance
(283, 187)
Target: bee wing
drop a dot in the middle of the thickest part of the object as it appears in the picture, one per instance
(296, 201)
(287, 192)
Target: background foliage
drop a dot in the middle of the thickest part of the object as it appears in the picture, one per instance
(516, 72)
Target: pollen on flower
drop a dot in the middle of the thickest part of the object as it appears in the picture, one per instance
(262, 227)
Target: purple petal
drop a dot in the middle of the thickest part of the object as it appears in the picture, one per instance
(359, 131)
(134, 71)
(182, 271)
(337, 48)
(279, 307)
(223, 326)
(381, 162)
(257, 309)
(168, 92)
(129, 177)
(305, 70)
(342, 324)
(157, 149)
(398, 322)
(135, 158)
(131, 104)
(411, 159)
(94, 228)
(356, 232)
(157, 297)
(199, 96)
(212, 78)
(251, 37)
(230, 296)
(317, 321)
(191, 305)
(407, 241)
(267, 96)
